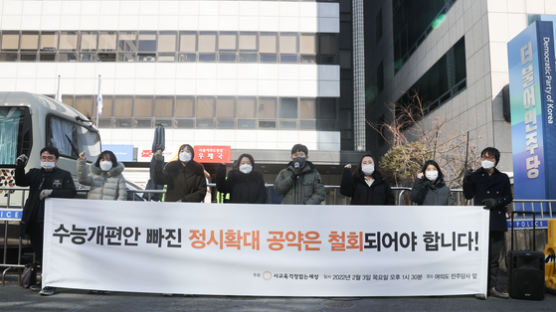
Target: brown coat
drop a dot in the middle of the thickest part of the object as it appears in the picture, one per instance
(185, 181)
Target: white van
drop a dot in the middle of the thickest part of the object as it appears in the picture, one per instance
(29, 122)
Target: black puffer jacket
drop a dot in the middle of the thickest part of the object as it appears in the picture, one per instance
(429, 193)
(243, 188)
(354, 186)
(480, 186)
(57, 180)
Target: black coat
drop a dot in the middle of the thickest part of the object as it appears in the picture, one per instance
(58, 180)
(354, 186)
(243, 188)
(479, 186)
(186, 183)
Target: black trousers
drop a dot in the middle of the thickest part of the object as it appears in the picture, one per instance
(497, 242)
(36, 232)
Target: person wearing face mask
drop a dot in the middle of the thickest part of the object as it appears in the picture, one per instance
(184, 177)
(44, 182)
(365, 185)
(104, 177)
(244, 184)
(429, 188)
(300, 182)
(491, 188)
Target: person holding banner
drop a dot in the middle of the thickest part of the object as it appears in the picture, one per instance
(429, 188)
(491, 188)
(300, 182)
(104, 177)
(243, 183)
(184, 177)
(48, 181)
(365, 185)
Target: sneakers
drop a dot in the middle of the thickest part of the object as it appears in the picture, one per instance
(47, 291)
(498, 294)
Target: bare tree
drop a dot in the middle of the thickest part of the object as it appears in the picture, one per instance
(412, 142)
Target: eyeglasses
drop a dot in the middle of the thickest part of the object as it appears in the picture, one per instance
(45, 158)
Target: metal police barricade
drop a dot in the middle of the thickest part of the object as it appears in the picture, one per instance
(10, 214)
(11, 211)
(333, 196)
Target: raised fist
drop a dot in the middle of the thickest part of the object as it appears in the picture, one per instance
(21, 161)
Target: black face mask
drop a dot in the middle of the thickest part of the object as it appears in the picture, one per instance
(298, 162)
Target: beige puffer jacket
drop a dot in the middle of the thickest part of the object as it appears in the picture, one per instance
(107, 185)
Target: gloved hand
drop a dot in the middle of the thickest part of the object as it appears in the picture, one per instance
(489, 203)
(44, 194)
(21, 161)
(298, 164)
(467, 174)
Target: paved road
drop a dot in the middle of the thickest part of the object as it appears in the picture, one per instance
(14, 299)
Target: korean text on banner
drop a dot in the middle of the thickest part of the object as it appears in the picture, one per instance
(265, 250)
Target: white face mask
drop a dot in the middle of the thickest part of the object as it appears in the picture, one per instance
(185, 156)
(368, 169)
(487, 164)
(48, 164)
(431, 175)
(105, 165)
(245, 168)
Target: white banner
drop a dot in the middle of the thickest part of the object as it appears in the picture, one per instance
(265, 250)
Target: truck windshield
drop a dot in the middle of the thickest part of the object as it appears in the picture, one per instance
(11, 136)
(71, 138)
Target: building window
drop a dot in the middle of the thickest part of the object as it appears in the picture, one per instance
(89, 41)
(68, 41)
(143, 106)
(163, 106)
(170, 46)
(444, 80)
(205, 107)
(123, 106)
(225, 107)
(10, 41)
(107, 104)
(307, 108)
(412, 22)
(84, 104)
(107, 41)
(147, 46)
(268, 47)
(288, 108)
(246, 107)
(184, 106)
(308, 48)
(127, 41)
(267, 108)
(207, 47)
(243, 112)
(328, 48)
(188, 42)
(288, 48)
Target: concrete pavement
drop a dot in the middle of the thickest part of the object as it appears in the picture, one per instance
(14, 299)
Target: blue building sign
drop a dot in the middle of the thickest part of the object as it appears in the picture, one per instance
(532, 95)
(122, 152)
